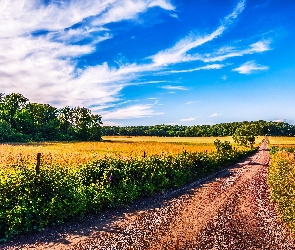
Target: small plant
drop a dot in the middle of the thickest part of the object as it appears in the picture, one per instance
(222, 147)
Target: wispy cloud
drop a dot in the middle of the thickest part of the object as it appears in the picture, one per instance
(169, 87)
(43, 65)
(131, 112)
(191, 102)
(188, 119)
(179, 52)
(40, 56)
(250, 67)
(110, 123)
(207, 67)
(125, 10)
(215, 115)
(229, 52)
(224, 77)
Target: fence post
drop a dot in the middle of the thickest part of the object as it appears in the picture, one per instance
(144, 154)
(38, 163)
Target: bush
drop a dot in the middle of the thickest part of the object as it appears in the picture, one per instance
(31, 201)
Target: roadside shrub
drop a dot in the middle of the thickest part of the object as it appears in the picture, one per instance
(31, 201)
(281, 181)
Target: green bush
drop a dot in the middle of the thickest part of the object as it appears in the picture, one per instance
(30, 202)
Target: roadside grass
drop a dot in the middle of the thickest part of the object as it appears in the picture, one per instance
(281, 177)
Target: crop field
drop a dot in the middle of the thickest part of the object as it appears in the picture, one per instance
(78, 153)
(74, 179)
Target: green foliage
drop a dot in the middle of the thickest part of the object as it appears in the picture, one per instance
(245, 135)
(21, 120)
(222, 129)
(30, 202)
(222, 147)
(281, 181)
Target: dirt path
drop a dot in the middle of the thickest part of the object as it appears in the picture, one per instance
(227, 210)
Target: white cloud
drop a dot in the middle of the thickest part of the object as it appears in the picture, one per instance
(237, 11)
(187, 119)
(207, 67)
(192, 102)
(178, 53)
(131, 112)
(109, 123)
(43, 67)
(215, 115)
(229, 52)
(249, 67)
(224, 77)
(169, 87)
(125, 10)
(280, 120)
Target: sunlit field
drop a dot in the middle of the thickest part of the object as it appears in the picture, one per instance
(77, 153)
(193, 140)
(74, 179)
(281, 140)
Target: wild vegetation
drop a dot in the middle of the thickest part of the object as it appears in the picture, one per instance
(58, 191)
(281, 179)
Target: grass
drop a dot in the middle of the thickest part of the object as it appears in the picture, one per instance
(281, 140)
(193, 140)
(78, 153)
(281, 178)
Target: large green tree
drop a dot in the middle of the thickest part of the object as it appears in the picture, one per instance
(245, 135)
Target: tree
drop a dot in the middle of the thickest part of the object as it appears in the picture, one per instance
(9, 105)
(44, 118)
(245, 135)
(86, 125)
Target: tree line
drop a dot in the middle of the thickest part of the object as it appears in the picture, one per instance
(223, 129)
(22, 121)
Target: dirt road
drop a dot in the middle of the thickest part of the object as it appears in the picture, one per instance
(228, 210)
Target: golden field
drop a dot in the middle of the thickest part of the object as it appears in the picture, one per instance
(279, 140)
(77, 153)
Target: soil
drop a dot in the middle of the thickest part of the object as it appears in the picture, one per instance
(230, 209)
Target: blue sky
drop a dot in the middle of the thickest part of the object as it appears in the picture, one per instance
(147, 62)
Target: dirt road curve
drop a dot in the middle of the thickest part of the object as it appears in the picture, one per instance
(228, 210)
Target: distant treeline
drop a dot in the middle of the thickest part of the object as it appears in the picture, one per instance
(22, 121)
(222, 129)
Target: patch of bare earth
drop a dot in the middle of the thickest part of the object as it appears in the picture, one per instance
(227, 210)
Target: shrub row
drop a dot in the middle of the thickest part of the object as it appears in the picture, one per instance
(31, 201)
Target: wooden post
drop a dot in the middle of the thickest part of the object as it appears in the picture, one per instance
(144, 155)
(38, 163)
